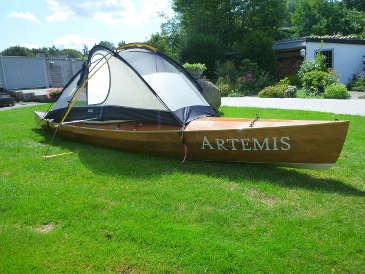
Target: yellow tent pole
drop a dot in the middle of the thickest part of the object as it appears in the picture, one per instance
(137, 44)
(80, 89)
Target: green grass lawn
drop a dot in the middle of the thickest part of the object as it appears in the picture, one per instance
(101, 210)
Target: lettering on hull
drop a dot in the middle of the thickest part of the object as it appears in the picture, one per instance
(268, 143)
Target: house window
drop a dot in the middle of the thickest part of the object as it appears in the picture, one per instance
(329, 56)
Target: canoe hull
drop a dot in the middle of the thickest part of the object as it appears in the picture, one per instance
(300, 144)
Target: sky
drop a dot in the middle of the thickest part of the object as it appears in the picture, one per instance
(75, 23)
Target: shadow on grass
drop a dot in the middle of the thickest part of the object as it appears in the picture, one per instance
(115, 162)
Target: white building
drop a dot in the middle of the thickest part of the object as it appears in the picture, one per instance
(345, 55)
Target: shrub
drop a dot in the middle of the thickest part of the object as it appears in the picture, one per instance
(273, 91)
(317, 64)
(226, 87)
(360, 82)
(253, 79)
(290, 92)
(246, 79)
(227, 70)
(358, 88)
(291, 80)
(352, 82)
(316, 81)
(336, 91)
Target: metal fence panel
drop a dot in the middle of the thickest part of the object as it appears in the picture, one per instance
(23, 72)
(18, 72)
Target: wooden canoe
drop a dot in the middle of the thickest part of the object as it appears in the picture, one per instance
(292, 143)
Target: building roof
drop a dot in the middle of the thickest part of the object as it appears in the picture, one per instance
(301, 42)
(290, 44)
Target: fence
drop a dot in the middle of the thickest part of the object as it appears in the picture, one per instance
(34, 72)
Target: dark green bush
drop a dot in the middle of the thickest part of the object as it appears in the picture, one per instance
(336, 91)
(273, 91)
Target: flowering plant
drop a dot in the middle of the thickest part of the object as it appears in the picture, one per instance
(247, 77)
(53, 93)
(360, 82)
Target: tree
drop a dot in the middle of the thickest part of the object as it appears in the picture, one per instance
(358, 5)
(230, 19)
(107, 44)
(318, 17)
(85, 51)
(71, 53)
(53, 51)
(17, 51)
(214, 17)
(172, 32)
(354, 23)
(258, 47)
(262, 15)
(158, 41)
(121, 43)
(202, 48)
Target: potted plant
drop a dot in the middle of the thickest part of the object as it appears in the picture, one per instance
(196, 70)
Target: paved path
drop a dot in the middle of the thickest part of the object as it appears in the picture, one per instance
(20, 105)
(338, 106)
(353, 106)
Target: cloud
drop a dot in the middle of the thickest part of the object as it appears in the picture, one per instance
(24, 15)
(75, 42)
(60, 11)
(109, 11)
(30, 46)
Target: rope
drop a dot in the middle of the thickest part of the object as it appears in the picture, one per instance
(186, 150)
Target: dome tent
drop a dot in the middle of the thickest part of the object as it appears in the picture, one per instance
(134, 82)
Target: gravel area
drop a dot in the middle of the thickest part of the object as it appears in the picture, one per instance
(353, 105)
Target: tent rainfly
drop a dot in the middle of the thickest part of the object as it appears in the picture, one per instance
(134, 82)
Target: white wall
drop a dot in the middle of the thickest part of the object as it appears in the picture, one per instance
(347, 58)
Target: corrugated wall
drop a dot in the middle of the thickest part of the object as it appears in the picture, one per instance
(60, 71)
(34, 72)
